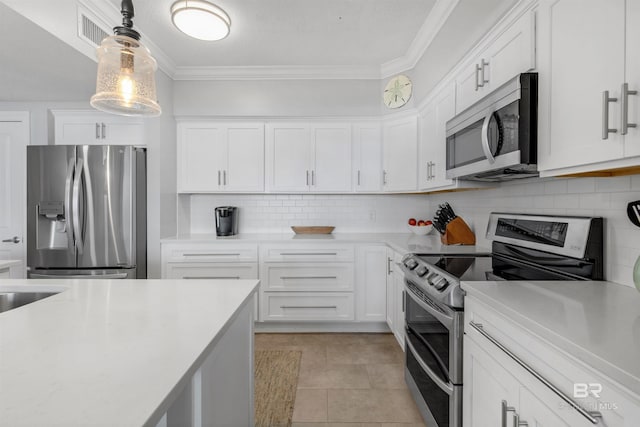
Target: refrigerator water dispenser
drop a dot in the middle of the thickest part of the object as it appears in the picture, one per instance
(51, 226)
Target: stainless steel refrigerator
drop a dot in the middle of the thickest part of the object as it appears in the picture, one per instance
(86, 212)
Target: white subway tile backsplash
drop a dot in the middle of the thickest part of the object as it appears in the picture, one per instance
(556, 186)
(581, 185)
(614, 184)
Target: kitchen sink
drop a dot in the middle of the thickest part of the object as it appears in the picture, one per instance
(11, 300)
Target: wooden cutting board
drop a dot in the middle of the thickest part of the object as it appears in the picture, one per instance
(313, 229)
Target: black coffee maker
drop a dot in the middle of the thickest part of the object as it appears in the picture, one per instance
(226, 220)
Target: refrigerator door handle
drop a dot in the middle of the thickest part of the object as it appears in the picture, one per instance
(77, 181)
(67, 200)
(78, 276)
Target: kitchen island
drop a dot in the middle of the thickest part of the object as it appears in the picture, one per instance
(128, 353)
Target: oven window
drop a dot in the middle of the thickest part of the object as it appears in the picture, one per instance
(435, 398)
(544, 232)
(429, 337)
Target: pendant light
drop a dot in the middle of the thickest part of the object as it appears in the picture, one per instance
(126, 72)
(200, 19)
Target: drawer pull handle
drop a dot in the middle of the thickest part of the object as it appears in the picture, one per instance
(309, 306)
(503, 413)
(211, 255)
(213, 277)
(592, 416)
(308, 277)
(308, 253)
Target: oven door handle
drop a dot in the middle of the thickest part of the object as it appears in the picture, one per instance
(447, 321)
(485, 138)
(446, 387)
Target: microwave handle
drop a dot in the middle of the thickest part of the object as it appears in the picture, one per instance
(485, 138)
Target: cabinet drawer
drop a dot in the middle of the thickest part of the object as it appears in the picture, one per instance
(313, 253)
(309, 277)
(279, 306)
(211, 271)
(210, 253)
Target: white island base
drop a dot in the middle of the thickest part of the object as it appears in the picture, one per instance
(128, 353)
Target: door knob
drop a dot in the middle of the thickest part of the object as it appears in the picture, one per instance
(15, 239)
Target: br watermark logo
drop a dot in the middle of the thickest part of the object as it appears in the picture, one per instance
(583, 390)
(590, 390)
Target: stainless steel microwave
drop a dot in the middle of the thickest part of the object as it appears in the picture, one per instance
(496, 138)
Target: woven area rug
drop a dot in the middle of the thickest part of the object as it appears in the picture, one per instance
(276, 380)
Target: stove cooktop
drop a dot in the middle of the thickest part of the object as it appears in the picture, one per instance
(462, 267)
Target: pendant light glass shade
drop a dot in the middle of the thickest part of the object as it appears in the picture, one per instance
(200, 19)
(126, 78)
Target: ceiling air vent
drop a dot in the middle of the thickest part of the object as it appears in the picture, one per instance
(89, 30)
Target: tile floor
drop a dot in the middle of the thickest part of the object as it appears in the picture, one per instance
(348, 380)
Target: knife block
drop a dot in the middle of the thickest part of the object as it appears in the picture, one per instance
(458, 233)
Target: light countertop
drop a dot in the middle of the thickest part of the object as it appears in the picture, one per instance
(7, 263)
(108, 352)
(400, 242)
(597, 322)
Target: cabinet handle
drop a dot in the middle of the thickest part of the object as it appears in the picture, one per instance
(308, 253)
(308, 306)
(219, 179)
(384, 177)
(503, 413)
(104, 131)
(97, 130)
(476, 77)
(592, 416)
(313, 178)
(624, 99)
(224, 177)
(389, 271)
(605, 114)
(433, 166)
(517, 422)
(403, 301)
(212, 277)
(358, 177)
(307, 177)
(307, 277)
(483, 65)
(229, 254)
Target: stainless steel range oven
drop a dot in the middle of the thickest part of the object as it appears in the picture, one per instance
(525, 247)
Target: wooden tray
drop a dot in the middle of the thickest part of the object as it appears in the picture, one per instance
(313, 230)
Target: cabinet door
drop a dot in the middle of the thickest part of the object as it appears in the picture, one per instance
(398, 281)
(122, 131)
(433, 127)
(332, 158)
(632, 139)
(391, 294)
(245, 158)
(371, 283)
(581, 54)
(400, 148)
(512, 53)
(537, 413)
(468, 90)
(367, 157)
(201, 157)
(487, 384)
(75, 130)
(288, 157)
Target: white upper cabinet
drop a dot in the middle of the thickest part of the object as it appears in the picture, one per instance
(331, 170)
(367, 157)
(220, 157)
(303, 157)
(400, 146)
(582, 55)
(432, 166)
(82, 127)
(632, 78)
(510, 53)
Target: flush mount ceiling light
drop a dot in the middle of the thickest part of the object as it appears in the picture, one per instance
(126, 82)
(200, 19)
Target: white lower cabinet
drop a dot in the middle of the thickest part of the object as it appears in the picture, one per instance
(395, 296)
(513, 378)
(371, 283)
(303, 282)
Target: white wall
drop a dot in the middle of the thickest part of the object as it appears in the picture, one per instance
(288, 98)
(606, 197)
(264, 213)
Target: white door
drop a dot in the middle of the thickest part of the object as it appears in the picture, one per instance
(332, 158)
(201, 157)
(371, 282)
(632, 77)
(14, 137)
(245, 158)
(445, 110)
(428, 144)
(123, 131)
(468, 89)
(367, 157)
(288, 157)
(487, 385)
(400, 145)
(581, 55)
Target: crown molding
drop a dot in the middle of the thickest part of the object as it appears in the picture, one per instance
(426, 34)
(302, 72)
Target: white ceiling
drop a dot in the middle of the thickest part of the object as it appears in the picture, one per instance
(291, 32)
